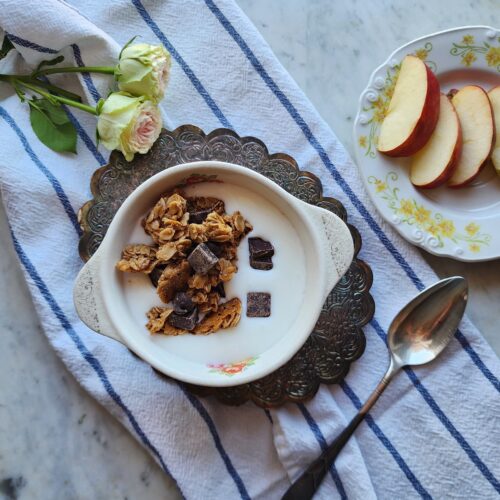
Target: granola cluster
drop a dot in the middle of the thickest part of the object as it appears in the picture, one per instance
(194, 254)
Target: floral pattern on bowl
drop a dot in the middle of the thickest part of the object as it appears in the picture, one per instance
(231, 369)
(458, 223)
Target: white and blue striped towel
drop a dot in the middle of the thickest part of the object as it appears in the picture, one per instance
(435, 433)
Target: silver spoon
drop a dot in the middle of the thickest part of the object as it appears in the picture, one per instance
(417, 335)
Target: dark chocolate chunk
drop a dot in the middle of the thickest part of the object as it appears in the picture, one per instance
(155, 274)
(204, 204)
(199, 216)
(220, 290)
(260, 248)
(262, 264)
(187, 322)
(183, 304)
(202, 259)
(258, 305)
(216, 248)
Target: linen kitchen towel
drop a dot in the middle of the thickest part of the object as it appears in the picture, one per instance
(435, 433)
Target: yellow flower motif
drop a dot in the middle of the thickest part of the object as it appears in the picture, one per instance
(468, 39)
(379, 115)
(421, 54)
(474, 247)
(468, 58)
(432, 228)
(422, 215)
(379, 103)
(472, 228)
(381, 186)
(362, 141)
(389, 91)
(447, 228)
(493, 56)
(406, 207)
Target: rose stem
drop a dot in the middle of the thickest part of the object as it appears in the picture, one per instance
(42, 84)
(109, 70)
(62, 100)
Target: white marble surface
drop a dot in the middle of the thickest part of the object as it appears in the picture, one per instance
(55, 441)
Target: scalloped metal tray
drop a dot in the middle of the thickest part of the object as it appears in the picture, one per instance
(337, 339)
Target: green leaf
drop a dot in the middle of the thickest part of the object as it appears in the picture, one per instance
(50, 62)
(52, 125)
(126, 45)
(6, 47)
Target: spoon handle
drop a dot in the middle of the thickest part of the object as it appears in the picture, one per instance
(307, 484)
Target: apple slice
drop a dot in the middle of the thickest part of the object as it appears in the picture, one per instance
(476, 119)
(434, 164)
(494, 95)
(413, 111)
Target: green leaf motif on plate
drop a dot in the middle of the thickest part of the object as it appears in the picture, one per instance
(468, 50)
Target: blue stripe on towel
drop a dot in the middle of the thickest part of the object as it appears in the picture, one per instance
(388, 445)
(30, 45)
(323, 445)
(86, 354)
(185, 67)
(86, 76)
(218, 444)
(338, 177)
(485, 471)
(85, 137)
(48, 174)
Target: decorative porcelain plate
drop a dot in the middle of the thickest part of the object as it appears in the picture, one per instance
(458, 223)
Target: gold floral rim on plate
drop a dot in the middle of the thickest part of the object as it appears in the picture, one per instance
(337, 339)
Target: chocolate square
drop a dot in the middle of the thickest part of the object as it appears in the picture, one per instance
(258, 305)
(262, 264)
(202, 259)
(183, 304)
(260, 248)
(199, 216)
(187, 322)
(215, 247)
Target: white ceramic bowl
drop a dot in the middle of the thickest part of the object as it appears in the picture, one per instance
(313, 249)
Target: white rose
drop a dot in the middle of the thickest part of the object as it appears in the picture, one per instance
(144, 69)
(129, 124)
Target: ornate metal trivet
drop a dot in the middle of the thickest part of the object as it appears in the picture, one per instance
(337, 339)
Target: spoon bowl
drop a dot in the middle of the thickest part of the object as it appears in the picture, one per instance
(423, 328)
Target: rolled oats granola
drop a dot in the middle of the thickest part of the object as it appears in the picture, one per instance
(137, 259)
(179, 226)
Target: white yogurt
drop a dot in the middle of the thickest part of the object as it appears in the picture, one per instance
(285, 282)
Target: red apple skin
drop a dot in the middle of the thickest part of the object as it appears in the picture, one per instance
(425, 125)
(485, 162)
(450, 168)
(494, 125)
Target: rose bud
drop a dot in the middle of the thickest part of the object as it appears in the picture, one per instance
(127, 123)
(144, 69)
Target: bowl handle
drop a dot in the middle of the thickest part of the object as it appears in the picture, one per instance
(88, 301)
(337, 244)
